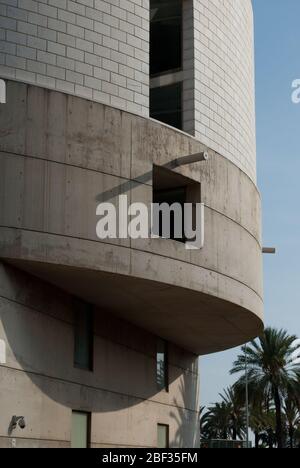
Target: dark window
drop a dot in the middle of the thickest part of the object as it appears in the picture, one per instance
(171, 196)
(166, 104)
(81, 429)
(171, 188)
(83, 336)
(165, 36)
(162, 365)
(162, 436)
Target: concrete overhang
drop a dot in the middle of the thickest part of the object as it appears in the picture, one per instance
(61, 155)
(199, 322)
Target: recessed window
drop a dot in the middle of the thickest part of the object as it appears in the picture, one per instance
(83, 336)
(172, 197)
(162, 436)
(162, 365)
(173, 191)
(165, 36)
(2, 92)
(166, 104)
(81, 429)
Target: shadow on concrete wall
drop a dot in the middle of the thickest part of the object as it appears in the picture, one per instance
(186, 419)
(50, 367)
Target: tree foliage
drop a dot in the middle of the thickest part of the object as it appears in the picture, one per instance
(273, 376)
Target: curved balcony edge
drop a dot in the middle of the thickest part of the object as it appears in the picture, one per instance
(201, 310)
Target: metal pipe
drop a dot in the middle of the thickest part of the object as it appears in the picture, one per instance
(191, 159)
(269, 250)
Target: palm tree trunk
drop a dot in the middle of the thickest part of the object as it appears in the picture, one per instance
(256, 440)
(270, 439)
(291, 434)
(279, 434)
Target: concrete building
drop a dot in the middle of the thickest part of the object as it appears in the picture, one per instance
(99, 340)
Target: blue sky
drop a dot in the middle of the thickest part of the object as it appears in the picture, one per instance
(277, 43)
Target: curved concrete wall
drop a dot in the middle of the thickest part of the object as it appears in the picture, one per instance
(60, 155)
(97, 49)
(82, 153)
(224, 79)
(39, 380)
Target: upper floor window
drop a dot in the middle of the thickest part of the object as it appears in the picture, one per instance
(165, 36)
(166, 104)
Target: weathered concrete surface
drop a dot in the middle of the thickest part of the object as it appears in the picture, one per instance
(61, 155)
(39, 382)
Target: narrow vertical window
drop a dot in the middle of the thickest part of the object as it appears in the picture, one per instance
(83, 337)
(162, 436)
(81, 429)
(2, 92)
(162, 366)
(165, 36)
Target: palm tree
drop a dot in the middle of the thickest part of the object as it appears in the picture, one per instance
(216, 422)
(263, 424)
(297, 437)
(236, 409)
(292, 415)
(202, 421)
(271, 370)
(260, 422)
(224, 420)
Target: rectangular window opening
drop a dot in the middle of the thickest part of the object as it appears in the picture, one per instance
(162, 365)
(171, 188)
(163, 436)
(166, 105)
(83, 336)
(81, 429)
(165, 36)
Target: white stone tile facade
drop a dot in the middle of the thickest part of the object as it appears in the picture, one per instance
(96, 49)
(99, 49)
(224, 79)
